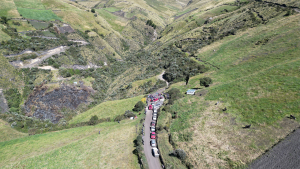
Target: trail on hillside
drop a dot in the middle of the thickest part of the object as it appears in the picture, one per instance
(161, 78)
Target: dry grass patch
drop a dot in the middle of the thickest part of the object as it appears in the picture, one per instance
(218, 136)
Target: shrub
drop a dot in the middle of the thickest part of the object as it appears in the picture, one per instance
(179, 153)
(174, 95)
(138, 106)
(206, 81)
(93, 10)
(93, 120)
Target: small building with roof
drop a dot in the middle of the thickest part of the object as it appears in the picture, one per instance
(191, 91)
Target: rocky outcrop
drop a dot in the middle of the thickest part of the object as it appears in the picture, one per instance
(47, 105)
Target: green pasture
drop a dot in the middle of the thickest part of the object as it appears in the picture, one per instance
(7, 133)
(30, 4)
(81, 147)
(45, 15)
(111, 9)
(39, 25)
(107, 109)
(24, 26)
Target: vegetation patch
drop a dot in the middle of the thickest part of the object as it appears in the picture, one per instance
(43, 15)
(39, 25)
(107, 109)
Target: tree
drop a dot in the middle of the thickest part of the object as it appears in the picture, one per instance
(93, 10)
(138, 106)
(4, 19)
(206, 81)
(187, 78)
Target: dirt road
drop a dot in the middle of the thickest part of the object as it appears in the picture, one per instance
(161, 77)
(284, 155)
(153, 162)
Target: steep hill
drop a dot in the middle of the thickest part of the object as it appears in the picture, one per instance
(255, 77)
(105, 55)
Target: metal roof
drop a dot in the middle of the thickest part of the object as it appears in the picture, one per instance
(191, 90)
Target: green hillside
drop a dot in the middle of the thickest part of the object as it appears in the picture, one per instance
(7, 133)
(107, 109)
(74, 148)
(113, 52)
(257, 81)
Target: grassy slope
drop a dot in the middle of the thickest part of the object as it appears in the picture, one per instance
(79, 147)
(7, 133)
(107, 109)
(257, 83)
(8, 9)
(7, 72)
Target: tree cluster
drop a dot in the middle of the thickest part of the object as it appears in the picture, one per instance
(151, 23)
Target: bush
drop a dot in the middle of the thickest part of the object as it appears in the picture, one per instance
(206, 81)
(93, 120)
(179, 153)
(138, 106)
(174, 95)
(13, 98)
(93, 10)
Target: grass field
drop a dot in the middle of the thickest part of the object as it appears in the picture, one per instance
(79, 147)
(39, 25)
(111, 9)
(23, 27)
(107, 109)
(4, 36)
(257, 83)
(48, 33)
(31, 4)
(111, 19)
(7, 133)
(8, 9)
(44, 15)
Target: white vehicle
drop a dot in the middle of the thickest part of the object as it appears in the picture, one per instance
(152, 129)
(155, 152)
(154, 117)
(153, 143)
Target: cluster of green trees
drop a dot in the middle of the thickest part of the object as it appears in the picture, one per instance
(19, 44)
(151, 23)
(178, 66)
(206, 81)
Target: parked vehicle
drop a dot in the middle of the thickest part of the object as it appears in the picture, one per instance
(150, 107)
(155, 152)
(156, 99)
(153, 135)
(152, 128)
(153, 123)
(154, 117)
(153, 143)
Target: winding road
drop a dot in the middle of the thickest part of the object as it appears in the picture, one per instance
(153, 162)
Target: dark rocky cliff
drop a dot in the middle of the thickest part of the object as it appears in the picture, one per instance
(47, 105)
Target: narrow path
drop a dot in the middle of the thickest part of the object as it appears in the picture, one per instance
(153, 162)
